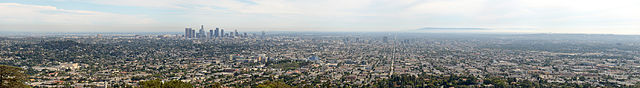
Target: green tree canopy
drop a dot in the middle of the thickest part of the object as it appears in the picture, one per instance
(170, 84)
(277, 84)
(12, 77)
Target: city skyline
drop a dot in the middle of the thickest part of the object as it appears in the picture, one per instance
(319, 44)
(519, 16)
(323, 59)
(211, 34)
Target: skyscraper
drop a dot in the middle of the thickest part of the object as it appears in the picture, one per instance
(236, 33)
(192, 34)
(210, 34)
(187, 32)
(201, 33)
(221, 32)
(217, 32)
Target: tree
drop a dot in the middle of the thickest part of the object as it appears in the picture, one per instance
(271, 84)
(177, 84)
(215, 85)
(170, 84)
(12, 77)
(150, 84)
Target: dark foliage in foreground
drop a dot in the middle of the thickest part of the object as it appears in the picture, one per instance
(447, 81)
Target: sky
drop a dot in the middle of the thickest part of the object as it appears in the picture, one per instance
(492, 16)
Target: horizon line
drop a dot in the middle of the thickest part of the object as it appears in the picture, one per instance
(524, 33)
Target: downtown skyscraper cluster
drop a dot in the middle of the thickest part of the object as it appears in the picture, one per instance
(217, 33)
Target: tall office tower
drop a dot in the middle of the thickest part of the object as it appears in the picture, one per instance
(210, 34)
(236, 32)
(262, 58)
(221, 32)
(187, 32)
(193, 33)
(198, 35)
(201, 33)
(385, 39)
(217, 33)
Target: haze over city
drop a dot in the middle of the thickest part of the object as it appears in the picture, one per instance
(319, 44)
(512, 16)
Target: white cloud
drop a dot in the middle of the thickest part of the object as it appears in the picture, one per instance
(21, 17)
(448, 7)
(14, 13)
(361, 15)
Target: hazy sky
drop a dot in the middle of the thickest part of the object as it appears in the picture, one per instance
(519, 16)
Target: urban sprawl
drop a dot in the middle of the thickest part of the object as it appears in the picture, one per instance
(320, 59)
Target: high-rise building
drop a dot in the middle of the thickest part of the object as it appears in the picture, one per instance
(217, 33)
(262, 58)
(192, 34)
(236, 34)
(221, 32)
(210, 34)
(187, 32)
(201, 33)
